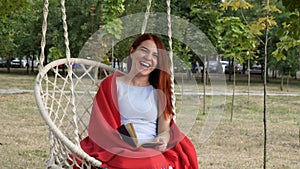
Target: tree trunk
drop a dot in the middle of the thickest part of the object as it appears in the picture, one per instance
(233, 92)
(230, 70)
(287, 84)
(32, 62)
(265, 86)
(8, 65)
(204, 84)
(248, 78)
(281, 84)
(27, 65)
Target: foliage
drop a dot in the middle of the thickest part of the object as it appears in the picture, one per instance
(11, 24)
(8, 7)
(207, 20)
(238, 40)
(289, 36)
(235, 5)
(291, 5)
(54, 54)
(258, 21)
(205, 16)
(7, 45)
(111, 11)
(289, 66)
(288, 45)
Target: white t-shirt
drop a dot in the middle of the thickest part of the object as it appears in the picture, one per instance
(138, 105)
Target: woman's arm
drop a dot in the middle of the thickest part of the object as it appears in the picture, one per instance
(163, 132)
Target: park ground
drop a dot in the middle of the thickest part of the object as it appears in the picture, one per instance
(235, 144)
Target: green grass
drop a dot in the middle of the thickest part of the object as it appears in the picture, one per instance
(234, 144)
(239, 143)
(23, 136)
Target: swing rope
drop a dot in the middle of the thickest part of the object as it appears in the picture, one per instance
(70, 70)
(144, 25)
(56, 97)
(44, 30)
(146, 17)
(171, 55)
(65, 26)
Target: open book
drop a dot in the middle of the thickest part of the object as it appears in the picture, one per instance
(128, 134)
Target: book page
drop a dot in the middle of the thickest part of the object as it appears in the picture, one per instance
(129, 135)
(150, 144)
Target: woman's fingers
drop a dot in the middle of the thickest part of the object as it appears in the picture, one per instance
(162, 147)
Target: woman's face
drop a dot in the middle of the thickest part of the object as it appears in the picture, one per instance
(144, 58)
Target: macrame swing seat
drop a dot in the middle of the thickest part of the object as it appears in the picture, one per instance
(65, 99)
(65, 103)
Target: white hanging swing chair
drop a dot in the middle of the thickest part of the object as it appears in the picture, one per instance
(65, 101)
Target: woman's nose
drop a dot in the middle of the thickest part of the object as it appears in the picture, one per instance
(149, 56)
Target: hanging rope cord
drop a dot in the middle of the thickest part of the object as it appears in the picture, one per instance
(70, 70)
(146, 17)
(173, 97)
(171, 55)
(76, 149)
(65, 26)
(44, 31)
(68, 55)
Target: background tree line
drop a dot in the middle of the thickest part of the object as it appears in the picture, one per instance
(236, 28)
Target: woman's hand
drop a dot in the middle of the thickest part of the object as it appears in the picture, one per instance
(163, 132)
(163, 138)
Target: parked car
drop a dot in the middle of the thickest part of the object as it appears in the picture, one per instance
(30, 59)
(256, 69)
(195, 67)
(214, 66)
(179, 69)
(224, 64)
(16, 62)
(3, 62)
(237, 67)
(179, 66)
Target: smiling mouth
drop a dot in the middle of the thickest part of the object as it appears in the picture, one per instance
(145, 64)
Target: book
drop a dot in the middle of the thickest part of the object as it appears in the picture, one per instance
(128, 134)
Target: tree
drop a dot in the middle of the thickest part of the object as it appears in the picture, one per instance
(236, 42)
(7, 45)
(289, 41)
(262, 24)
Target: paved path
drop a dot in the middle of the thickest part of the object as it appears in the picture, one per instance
(14, 91)
(239, 94)
(18, 91)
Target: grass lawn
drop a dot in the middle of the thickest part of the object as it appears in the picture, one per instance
(234, 144)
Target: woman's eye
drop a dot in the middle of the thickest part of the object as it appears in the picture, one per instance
(144, 50)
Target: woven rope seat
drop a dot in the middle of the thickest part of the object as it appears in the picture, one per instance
(65, 100)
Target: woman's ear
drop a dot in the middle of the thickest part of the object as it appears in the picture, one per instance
(131, 51)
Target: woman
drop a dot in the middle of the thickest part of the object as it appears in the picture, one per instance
(142, 97)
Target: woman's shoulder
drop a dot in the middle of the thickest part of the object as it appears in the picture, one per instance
(107, 79)
(111, 78)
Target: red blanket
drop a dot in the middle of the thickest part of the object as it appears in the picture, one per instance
(104, 142)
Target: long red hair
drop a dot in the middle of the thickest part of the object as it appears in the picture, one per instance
(160, 77)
